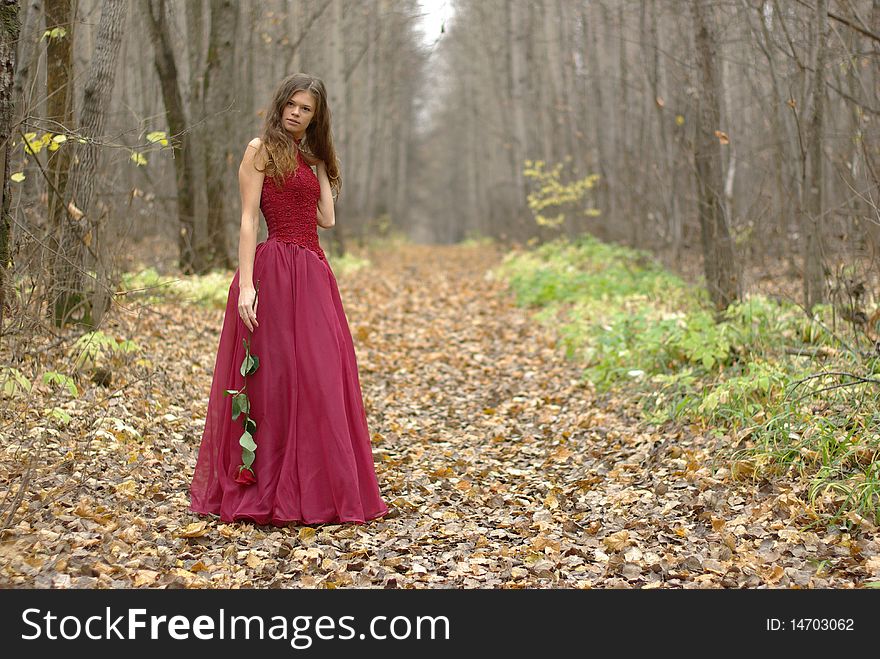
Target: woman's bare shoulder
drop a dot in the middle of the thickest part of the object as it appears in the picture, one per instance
(257, 145)
(256, 152)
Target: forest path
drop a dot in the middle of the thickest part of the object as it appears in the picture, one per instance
(499, 466)
(506, 472)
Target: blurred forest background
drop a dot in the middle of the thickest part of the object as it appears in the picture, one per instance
(742, 132)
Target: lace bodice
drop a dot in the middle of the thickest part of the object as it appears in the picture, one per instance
(291, 210)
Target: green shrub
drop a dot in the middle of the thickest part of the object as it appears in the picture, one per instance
(640, 329)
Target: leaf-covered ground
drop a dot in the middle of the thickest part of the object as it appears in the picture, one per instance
(501, 468)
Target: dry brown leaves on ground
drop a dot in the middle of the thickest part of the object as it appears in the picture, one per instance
(501, 468)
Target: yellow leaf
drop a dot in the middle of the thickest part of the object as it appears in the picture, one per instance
(194, 530)
(562, 453)
(145, 577)
(75, 212)
(307, 535)
(775, 574)
(541, 542)
(129, 488)
(54, 33)
(617, 541)
(18, 177)
(83, 510)
(254, 561)
(743, 469)
(722, 137)
(188, 577)
(730, 540)
(228, 531)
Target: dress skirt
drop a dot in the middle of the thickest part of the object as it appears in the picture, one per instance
(314, 462)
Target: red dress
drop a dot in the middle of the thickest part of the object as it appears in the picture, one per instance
(314, 463)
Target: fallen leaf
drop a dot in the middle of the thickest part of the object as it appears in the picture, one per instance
(616, 541)
(194, 530)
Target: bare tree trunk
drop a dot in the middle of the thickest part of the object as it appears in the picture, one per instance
(628, 170)
(337, 94)
(59, 109)
(166, 69)
(871, 148)
(10, 27)
(516, 44)
(731, 147)
(28, 49)
(666, 161)
(551, 76)
(198, 135)
(721, 278)
(219, 100)
(593, 58)
(294, 18)
(776, 235)
(370, 133)
(814, 276)
(59, 98)
(96, 100)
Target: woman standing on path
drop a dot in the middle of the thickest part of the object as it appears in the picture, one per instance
(286, 437)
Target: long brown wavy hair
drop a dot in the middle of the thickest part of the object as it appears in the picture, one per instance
(318, 140)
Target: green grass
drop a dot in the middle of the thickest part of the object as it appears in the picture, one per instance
(348, 263)
(476, 239)
(210, 290)
(642, 331)
(149, 287)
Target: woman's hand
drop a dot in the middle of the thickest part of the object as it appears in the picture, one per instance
(247, 306)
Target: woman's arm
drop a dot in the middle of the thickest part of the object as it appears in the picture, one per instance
(250, 183)
(326, 211)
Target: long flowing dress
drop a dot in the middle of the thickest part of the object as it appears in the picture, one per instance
(314, 462)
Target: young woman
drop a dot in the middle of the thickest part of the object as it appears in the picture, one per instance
(285, 438)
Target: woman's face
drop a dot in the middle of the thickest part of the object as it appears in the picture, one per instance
(298, 113)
